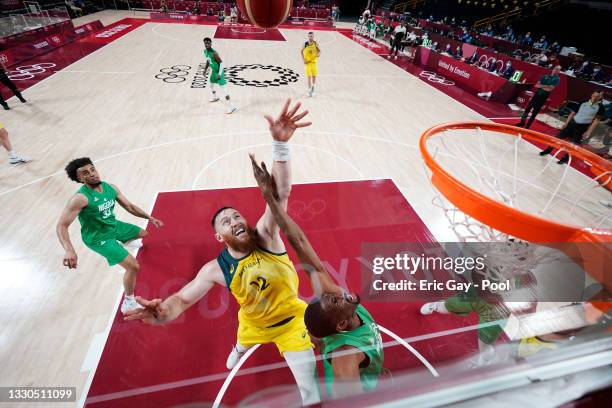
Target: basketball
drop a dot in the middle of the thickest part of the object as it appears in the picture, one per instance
(265, 13)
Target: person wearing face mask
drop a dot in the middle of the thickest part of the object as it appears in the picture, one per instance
(508, 70)
(458, 53)
(544, 87)
(580, 125)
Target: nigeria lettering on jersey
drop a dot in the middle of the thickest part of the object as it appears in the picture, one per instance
(106, 208)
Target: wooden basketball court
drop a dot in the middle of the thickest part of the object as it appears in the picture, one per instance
(151, 134)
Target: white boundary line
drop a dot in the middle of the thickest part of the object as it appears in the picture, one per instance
(232, 374)
(418, 355)
(109, 325)
(79, 60)
(266, 367)
(270, 144)
(253, 47)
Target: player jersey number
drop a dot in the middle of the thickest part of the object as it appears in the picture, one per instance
(261, 283)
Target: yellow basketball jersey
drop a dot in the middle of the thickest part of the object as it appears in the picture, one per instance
(265, 286)
(310, 52)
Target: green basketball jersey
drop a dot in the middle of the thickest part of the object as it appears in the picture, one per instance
(367, 339)
(97, 219)
(210, 56)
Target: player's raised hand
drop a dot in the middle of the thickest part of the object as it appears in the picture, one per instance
(283, 127)
(152, 311)
(264, 179)
(70, 259)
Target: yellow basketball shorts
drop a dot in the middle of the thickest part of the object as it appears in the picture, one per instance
(291, 336)
(311, 69)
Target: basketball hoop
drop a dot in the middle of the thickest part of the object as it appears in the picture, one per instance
(493, 187)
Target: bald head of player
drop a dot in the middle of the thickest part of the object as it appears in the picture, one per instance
(233, 230)
(331, 314)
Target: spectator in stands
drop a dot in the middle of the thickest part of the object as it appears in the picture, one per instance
(508, 70)
(598, 74)
(526, 40)
(77, 11)
(234, 14)
(584, 71)
(466, 37)
(555, 47)
(493, 66)
(221, 15)
(541, 44)
(6, 81)
(209, 12)
(435, 47)
(544, 87)
(458, 55)
(473, 60)
(163, 7)
(196, 8)
(542, 59)
(580, 125)
(448, 50)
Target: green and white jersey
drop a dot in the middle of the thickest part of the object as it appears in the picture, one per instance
(97, 219)
(365, 338)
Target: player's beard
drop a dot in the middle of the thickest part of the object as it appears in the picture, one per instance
(241, 244)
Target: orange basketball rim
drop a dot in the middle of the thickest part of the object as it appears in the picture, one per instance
(515, 222)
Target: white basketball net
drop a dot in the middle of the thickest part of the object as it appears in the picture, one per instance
(508, 169)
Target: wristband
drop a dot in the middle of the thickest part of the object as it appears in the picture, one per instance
(280, 151)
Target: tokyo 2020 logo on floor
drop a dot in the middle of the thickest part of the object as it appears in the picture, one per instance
(238, 75)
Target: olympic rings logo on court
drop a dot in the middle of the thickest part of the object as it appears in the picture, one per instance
(435, 78)
(25, 72)
(174, 75)
(285, 75)
(303, 211)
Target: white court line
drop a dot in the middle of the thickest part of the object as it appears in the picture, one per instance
(511, 117)
(270, 144)
(89, 357)
(228, 45)
(320, 133)
(266, 367)
(77, 61)
(232, 374)
(93, 72)
(411, 349)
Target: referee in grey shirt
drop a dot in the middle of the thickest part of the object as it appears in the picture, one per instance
(579, 125)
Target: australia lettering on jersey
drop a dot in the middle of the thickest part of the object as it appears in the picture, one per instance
(256, 262)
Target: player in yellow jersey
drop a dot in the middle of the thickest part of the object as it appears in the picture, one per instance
(310, 54)
(256, 269)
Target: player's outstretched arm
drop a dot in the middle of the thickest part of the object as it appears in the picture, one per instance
(282, 129)
(157, 311)
(134, 209)
(70, 212)
(320, 279)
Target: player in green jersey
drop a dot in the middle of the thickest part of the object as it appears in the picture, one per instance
(217, 76)
(94, 204)
(352, 345)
